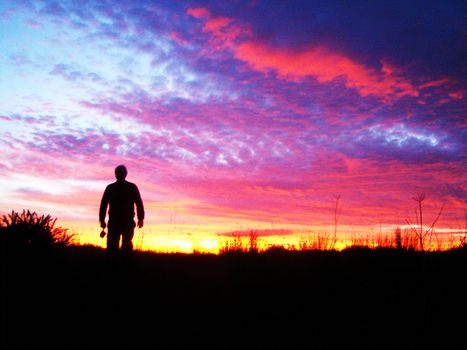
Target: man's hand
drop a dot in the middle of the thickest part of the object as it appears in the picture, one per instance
(103, 225)
(140, 223)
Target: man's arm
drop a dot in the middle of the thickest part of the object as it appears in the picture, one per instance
(103, 207)
(139, 207)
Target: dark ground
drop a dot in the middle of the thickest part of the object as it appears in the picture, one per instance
(75, 298)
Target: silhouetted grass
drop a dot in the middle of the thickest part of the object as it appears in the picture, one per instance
(400, 240)
(29, 230)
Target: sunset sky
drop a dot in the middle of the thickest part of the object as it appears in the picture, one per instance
(235, 115)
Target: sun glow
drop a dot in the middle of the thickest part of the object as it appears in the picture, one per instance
(227, 123)
(158, 238)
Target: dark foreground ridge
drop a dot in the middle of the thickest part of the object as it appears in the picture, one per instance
(76, 298)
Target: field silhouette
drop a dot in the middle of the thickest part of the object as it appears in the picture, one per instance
(58, 295)
(75, 297)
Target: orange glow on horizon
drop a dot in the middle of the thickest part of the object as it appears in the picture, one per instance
(167, 239)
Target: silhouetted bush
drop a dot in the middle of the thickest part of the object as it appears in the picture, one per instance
(29, 230)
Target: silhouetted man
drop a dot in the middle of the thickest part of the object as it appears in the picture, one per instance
(121, 197)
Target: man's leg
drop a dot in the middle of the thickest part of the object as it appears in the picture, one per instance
(127, 236)
(113, 239)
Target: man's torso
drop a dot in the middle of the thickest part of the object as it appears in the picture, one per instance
(122, 196)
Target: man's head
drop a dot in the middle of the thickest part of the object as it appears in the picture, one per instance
(120, 172)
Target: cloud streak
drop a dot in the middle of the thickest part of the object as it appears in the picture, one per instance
(324, 67)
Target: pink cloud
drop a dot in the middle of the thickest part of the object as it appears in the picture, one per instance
(178, 38)
(320, 63)
(325, 66)
(199, 12)
(457, 95)
(216, 24)
(223, 29)
(434, 83)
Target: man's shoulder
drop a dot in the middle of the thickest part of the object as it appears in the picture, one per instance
(130, 185)
(114, 186)
(133, 186)
(110, 186)
(127, 183)
(119, 185)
